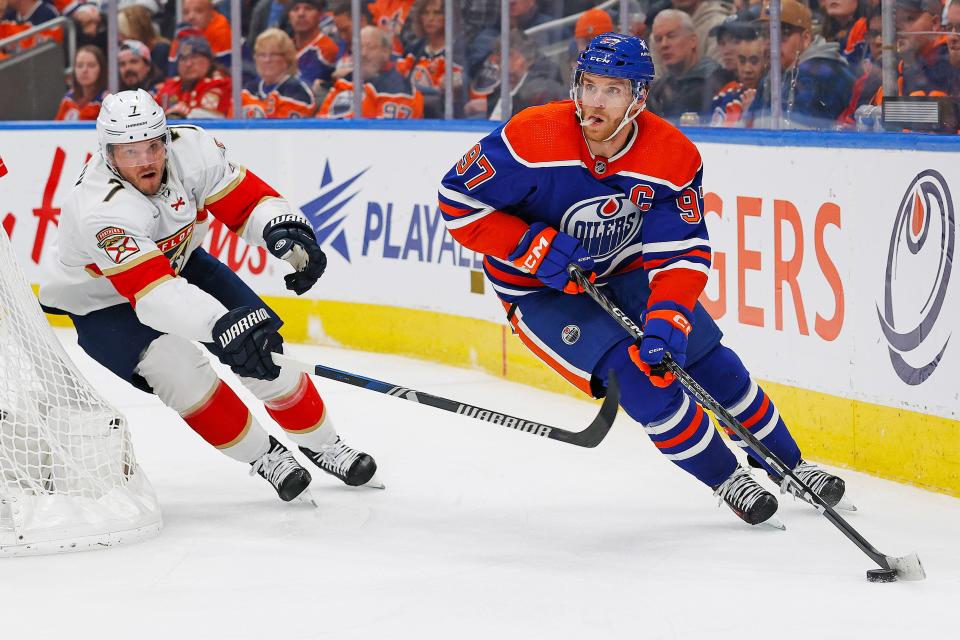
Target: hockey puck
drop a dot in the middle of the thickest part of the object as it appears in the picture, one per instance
(882, 575)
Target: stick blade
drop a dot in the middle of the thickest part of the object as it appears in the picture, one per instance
(598, 429)
(907, 567)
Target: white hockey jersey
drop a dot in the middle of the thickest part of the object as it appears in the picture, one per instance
(116, 245)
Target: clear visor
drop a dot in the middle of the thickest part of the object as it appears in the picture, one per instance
(610, 95)
(142, 153)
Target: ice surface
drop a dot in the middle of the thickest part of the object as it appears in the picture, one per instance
(483, 532)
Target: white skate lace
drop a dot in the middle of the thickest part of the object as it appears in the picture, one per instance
(337, 457)
(740, 490)
(275, 466)
(815, 478)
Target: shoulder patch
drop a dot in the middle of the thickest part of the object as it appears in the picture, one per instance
(108, 232)
(119, 248)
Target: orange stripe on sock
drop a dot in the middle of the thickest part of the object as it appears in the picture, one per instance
(755, 418)
(686, 434)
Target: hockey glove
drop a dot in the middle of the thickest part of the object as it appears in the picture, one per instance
(665, 330)
(246, 337)
(546, 253)
(289, 238)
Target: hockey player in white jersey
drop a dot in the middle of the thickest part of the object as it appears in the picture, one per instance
(140, 289)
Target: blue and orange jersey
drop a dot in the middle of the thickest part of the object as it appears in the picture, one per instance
(389, 96)
(71, 110)
(726, 108)
(425, 67)
(318, 59)
(639, 209)
(855, 47)
(291, 98)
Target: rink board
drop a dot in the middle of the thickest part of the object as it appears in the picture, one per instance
(833, 267)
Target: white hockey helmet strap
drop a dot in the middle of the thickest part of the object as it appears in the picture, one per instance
(129, 116)
(639, 90)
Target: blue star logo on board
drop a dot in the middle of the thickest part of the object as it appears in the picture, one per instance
(322, 211)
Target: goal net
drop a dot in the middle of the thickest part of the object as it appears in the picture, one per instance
(69, 479)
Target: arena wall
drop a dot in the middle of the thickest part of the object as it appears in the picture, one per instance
(833, 267)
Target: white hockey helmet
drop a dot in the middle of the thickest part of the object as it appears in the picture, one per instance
(129, 116)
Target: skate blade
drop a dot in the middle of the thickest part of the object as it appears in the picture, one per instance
(773, 522)
(374, 482)
(307, 498)
(845, 505)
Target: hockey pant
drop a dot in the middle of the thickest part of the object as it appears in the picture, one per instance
(179, 373)
(579, 340)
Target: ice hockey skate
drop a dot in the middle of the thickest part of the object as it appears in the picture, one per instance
(746, 498)
(278, 467)
(829, 487)
(353, 468)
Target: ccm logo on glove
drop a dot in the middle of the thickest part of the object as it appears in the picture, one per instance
(252, 319)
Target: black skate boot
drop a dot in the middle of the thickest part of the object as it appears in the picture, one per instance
(354, 468)
(829, 487)
(278, 467)
(751, 502)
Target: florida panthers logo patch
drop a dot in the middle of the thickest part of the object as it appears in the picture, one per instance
(120, 248)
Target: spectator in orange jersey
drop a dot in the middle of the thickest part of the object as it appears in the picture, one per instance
(24, 14)
(390, 16)
(9, 27)
(386, 93)
(88, 86)
(200, 90)
(278, 92)
(316, 51)
(729, 105)
(426, 61)
(924, 68)
(214, 26)
(136, 23)
(846, 24)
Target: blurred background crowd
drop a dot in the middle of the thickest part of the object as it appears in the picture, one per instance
(296, 57)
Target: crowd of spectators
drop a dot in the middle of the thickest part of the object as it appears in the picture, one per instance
(712, 56)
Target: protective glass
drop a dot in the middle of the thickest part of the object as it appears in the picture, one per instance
(138, 154)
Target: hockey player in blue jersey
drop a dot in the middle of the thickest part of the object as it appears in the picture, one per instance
(601, 183)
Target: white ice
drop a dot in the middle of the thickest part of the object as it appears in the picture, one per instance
(482, 532)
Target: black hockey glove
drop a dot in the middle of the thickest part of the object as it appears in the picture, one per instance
(246, 337)
(290, 239)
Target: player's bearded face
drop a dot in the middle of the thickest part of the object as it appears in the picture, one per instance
(603, 103)
(141, 163)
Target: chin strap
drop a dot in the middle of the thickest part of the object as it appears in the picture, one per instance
(627, 118)
(641, 95)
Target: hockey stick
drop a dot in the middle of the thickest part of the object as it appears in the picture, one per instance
(906, 567)
(589, 437)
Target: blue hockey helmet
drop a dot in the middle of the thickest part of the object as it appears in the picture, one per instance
(617, 56)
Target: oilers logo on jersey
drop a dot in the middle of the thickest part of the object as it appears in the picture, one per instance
(604, 225)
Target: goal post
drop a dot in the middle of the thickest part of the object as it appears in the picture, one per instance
(69, 479)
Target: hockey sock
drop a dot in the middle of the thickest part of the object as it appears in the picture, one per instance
(302, 415)
(677, 424)
(224, 421)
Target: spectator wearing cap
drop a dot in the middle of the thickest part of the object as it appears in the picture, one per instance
(426, 61)
(952, 28)
(524, 14)
(867, 88)
(200, 89)
(846, 24)
(817, 81)
(278, 91)
(590, 24)
(924, 68)
(316, 51)
(387, 94)
(135, 67)
(135, 22)
(214, 26)
(688, 82)
(88, 85)
(735, 98)
(705, 14)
